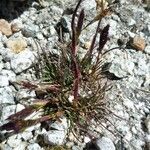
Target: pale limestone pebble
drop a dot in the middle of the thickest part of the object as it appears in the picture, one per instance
(13, 141)
(131, 22)
(22, 61)
(4, 81)
(7, 54)
(7, 111)
(34, 146)
(7, 66)
(147, 49)
(22, 146)
(40, 36)
(86, 139)
(9, 74)
(26, 136)
(17, 45)
(19, 107)
(122, 127)
(52, 30)
(128, 136)
(54, 137)
(23, 94)
(137, 144)
(131, 34)
(16, 25)
(129, 104)
(5, 147)
(105, 143)
(60, 125)
(69, 144)
(138, 43)
(6, 95)
(5, 27)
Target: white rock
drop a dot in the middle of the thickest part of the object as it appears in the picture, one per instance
(5, 147)
(147, 138)
(34, 146)
(26, 135)
(13, 142)
(55, 137)
(86, 139)
(6, 95)
(113, 28)
(25, 94)
(22, 61)
(7, 66)
(40, 36)
(4, 81)
(131, 22)
(7, 54)
(21, 146)
(129, 104)
(105, 144)
(19, 107)
(131, 34)
(138, 144)
(63, 125)
(9, 74)
(147, 49)
(7, 111)
(52, 31)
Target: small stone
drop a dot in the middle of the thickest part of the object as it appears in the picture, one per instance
(54, 137)
(7, 111)
(86, 139)
(4, 81)
(5, 27)
(17, 45)
(21, 146)
(138, 43)
(6, 95)
(16, 26)
(5, 146)
(40, 36)
(22, 61)
(13, 141)
(9, 74)
(147, 49)
(19, 107)
(87, 45)
(26, 135)
(105, 144)
(131, 22)
(60, 125)
(34, 146)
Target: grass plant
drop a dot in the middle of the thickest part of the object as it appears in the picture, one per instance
(73, 87)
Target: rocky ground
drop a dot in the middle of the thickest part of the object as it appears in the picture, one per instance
(129, 97)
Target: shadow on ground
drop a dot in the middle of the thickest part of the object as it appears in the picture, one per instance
(11, 9)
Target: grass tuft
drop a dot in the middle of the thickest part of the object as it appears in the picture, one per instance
(71, 86)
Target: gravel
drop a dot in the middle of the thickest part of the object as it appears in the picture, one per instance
(129, 97)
